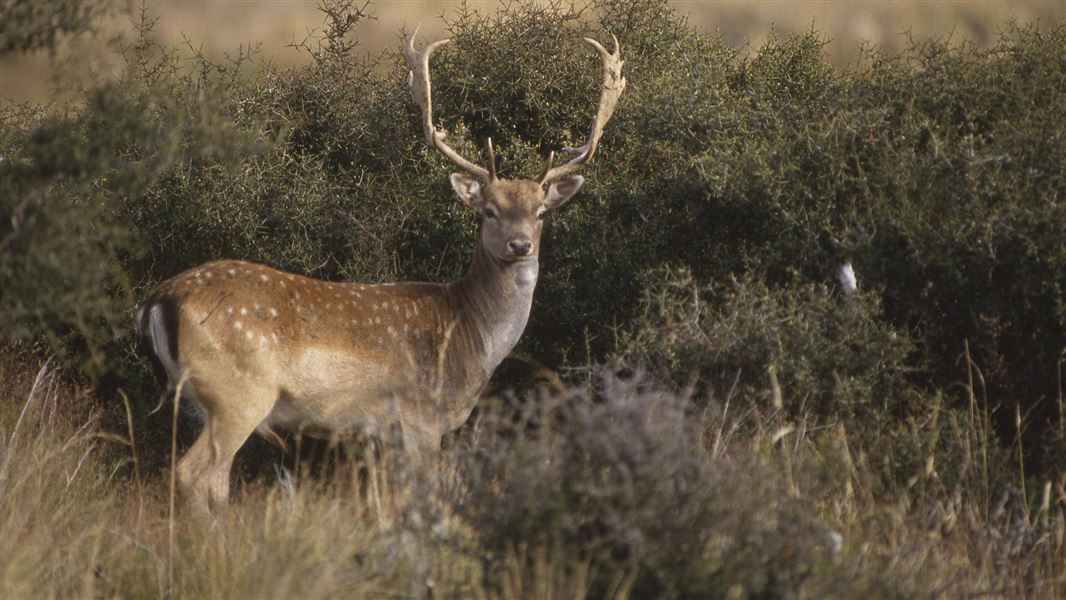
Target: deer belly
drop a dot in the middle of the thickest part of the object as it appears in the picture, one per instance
(340, 396)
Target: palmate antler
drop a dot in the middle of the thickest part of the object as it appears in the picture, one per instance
(421, 93)
(613, 84)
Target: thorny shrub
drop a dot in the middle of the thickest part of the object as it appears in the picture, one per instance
(937, 172)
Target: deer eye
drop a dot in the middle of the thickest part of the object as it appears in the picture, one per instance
(489, 212)
(541, 213)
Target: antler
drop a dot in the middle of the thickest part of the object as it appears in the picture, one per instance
(421, 93)
(613, 84)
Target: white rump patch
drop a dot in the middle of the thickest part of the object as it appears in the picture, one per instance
(157, 334)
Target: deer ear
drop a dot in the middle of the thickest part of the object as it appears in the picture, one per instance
(559, 192)
(468, 190)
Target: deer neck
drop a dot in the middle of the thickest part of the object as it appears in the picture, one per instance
(495, 298)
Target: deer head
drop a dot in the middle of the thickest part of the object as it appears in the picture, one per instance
(512, 210)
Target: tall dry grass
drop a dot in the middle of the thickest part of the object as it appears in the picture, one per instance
(619, 489)
(77, 522)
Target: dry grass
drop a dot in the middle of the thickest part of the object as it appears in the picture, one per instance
(76, 522)
(221, 27)
(795, 497)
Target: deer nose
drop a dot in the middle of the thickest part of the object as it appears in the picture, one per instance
(520, 247)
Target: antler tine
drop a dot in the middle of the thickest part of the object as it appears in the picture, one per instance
(547, 168)
(422, 94)
(613, 84)
(492, 159)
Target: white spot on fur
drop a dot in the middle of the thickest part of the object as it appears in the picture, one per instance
(232, 272)
(264, 278)
(248, 334)
(274, 312)
(377, 320)
(256, 306)
(244, 311)
(229, 310)
(238, 325)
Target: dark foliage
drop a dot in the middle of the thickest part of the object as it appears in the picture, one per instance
(938, 173)
(27, 25)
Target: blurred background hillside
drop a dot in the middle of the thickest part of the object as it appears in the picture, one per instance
(221, 27)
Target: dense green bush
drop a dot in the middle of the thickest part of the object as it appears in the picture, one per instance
(808, 350)
(938, 172)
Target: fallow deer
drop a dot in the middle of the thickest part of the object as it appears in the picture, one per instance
(253, 348)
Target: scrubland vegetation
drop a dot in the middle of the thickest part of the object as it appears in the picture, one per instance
(697, 409)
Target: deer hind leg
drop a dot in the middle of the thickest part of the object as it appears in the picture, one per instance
(204, 472)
